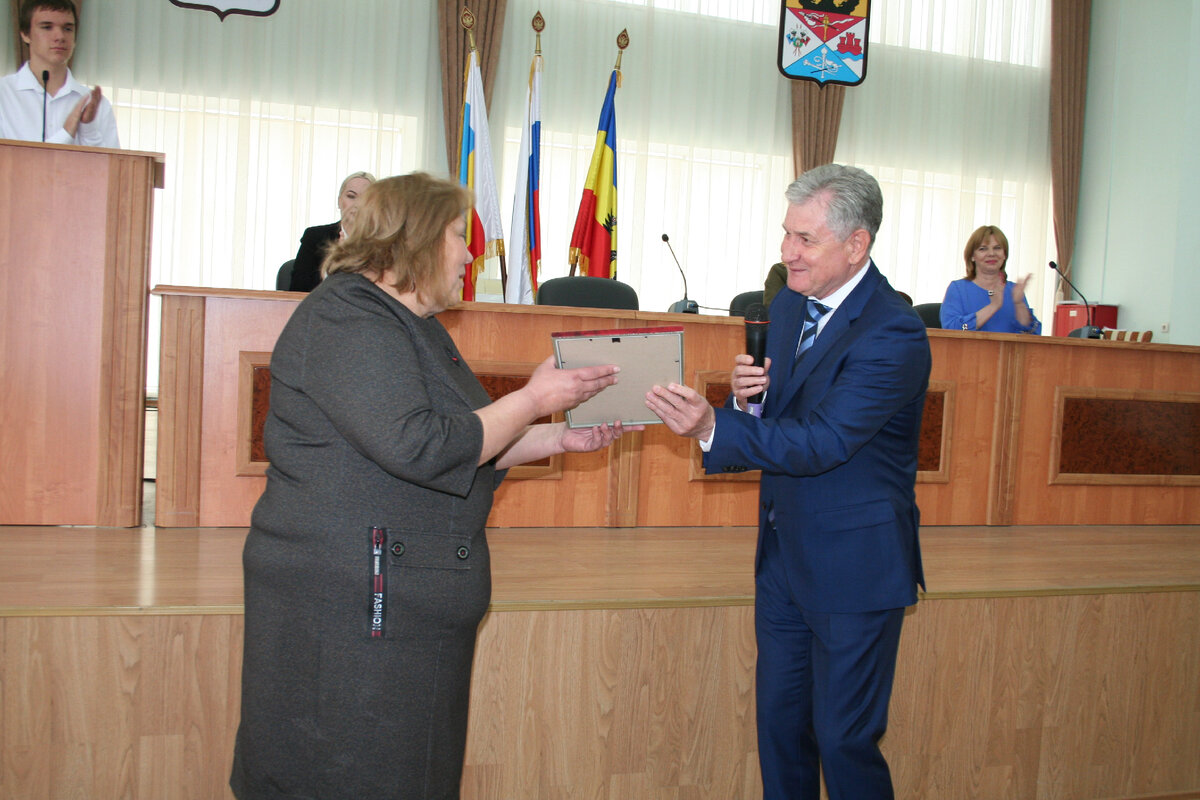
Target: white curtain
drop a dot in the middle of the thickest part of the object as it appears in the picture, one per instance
(260, 118)
(953, 120)
(703, 138)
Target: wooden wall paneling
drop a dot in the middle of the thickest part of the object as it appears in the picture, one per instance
(1051, 697)
(139, 707)
(73, 330)
(968, 367)
(248, 363)
(624, 475)
(123, 368)
(947, 391)
(180, 411)
(1145, 438)
(1005, 435)
(582, 494)
(1109, 367)
(51, 329)
(1069, 696)
(672, 490)
(233, 325)
(616, 703)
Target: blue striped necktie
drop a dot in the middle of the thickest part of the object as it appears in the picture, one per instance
(813, 313)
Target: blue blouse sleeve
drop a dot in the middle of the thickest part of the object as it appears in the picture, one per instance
(955, 314)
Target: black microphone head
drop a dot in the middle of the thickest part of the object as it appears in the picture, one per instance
(1054, 266)
(45, 76)
(665, 238)
(756, 312)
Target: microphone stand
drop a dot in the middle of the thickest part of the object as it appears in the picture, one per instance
(45, 94)
(683, 306)
(1088, 331)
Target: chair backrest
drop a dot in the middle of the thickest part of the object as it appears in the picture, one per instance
(739, 304)
(1122, 335)
(283, 278)
(930, 314)
(584, 291)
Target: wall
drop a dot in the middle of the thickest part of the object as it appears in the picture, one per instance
(1134, 242)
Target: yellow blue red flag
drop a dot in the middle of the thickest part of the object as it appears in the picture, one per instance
(485, 230)
(594, 240)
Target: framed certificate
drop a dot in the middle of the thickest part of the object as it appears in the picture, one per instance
(646, 356)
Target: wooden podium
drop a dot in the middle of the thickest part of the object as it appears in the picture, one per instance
(74, 272)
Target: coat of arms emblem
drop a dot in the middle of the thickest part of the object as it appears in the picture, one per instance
(824, 40)
(255, 8)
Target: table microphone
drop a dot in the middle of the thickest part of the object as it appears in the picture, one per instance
(756, 347)
(683, 306)
(45, 92)
(1088, 331)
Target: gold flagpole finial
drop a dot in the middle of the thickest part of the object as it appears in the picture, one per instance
(467, 20)
(622, 43)
(539, 25)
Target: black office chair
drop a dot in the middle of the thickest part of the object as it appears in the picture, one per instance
(739, 304)
(584, 291)
(283, 278)
(930, 314)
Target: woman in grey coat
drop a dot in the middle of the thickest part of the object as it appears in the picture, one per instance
(366, 566)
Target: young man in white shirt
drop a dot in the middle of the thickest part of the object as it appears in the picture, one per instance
(73, 113)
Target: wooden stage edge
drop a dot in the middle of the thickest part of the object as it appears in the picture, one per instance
(118, 571)
(1045, 663)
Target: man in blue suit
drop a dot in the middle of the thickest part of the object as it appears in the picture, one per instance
(838, 557)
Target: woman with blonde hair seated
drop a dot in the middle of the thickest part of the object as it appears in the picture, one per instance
(316, 241)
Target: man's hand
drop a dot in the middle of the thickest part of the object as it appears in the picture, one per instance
(683, 410)
(748, 380)
(84, 111)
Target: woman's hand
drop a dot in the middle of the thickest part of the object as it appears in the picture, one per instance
(551, 389)
(597, 437)
(748, 380)
(1018, 292)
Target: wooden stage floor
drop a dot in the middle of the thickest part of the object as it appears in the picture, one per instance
(1045, 663)
(91, 570)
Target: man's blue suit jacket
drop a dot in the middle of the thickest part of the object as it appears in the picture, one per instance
(837, 446)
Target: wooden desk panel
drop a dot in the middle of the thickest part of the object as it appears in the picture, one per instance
(1146, 371)
(1000, 395)
(73, 332)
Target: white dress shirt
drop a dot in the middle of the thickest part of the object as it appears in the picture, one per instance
(21, 112)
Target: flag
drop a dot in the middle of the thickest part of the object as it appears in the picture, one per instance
(526, 238)
(485, 231)
(594, 241)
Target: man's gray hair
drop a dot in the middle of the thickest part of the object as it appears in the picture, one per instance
(853, 195)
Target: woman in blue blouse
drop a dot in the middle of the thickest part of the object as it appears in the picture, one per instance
(986, 300)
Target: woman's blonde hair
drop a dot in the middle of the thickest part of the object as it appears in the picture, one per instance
(979, 237)
(400, 225)
(368, 177)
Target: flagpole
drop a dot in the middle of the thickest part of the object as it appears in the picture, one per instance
(485, 235)
(525, 240)
(594, 234)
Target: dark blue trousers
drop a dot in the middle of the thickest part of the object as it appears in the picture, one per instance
(823, 686)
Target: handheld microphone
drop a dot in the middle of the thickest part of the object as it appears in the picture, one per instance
(683, 306)
(756, 347)
(45, 92)
(1088, 331)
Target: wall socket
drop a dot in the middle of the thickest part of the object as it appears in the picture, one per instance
(1165, 327)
